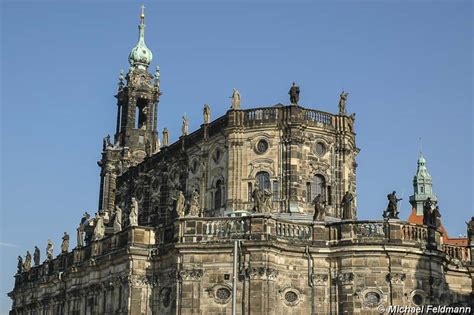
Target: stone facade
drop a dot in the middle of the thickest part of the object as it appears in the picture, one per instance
(285, 262)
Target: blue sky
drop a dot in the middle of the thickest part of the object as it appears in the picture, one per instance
(407, 66)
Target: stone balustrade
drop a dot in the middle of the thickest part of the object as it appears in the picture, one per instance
(457, 252)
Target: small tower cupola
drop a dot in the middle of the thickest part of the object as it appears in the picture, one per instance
(141, 56)
(422, 186)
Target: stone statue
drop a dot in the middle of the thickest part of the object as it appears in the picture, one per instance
(195, 205)
(436, 215)
(165, 137)
(258, 199)
(428, 212)
(180, 204)
(294, 94)
(118, 219)
(65, 244)
(207, 114)
(36, 256)
(20, 265)
(267, 201)
(342, 102)
(346, 204)
(27, 264)
(185, 126)
(133, 217)
(81, 229)
(470, 229)
(235, 104)
(392, 209)
(99, 230)
(319, 208)
(49, 250)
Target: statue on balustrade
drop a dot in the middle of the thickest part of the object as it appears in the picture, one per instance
(436, 217)
(207, 113)
(49, 250)
(99, 230)
(19, 265)
(133, 217)
(36, 256)
(392, 209)
(470, 229)
(194, 205)
(346, 204)
(180, 204)
(258, 199)
(235, 104)
(165, 137)
(65, 243)
(118, 219)
(319, 208)
(294, 94)
(267, 200)
(342, 102)
(428, 212)
(81, 229)
(185, 126)
(27, 264)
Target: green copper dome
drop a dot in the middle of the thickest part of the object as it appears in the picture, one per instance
(140, 57)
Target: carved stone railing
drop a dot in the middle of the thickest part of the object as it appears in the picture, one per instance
(358, 231)
(261, 115)
(295, 231)
(414, 233)
(315, 116)
(457, 252)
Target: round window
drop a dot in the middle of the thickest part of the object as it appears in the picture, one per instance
(320, 148)
(417, 299)
(372, 299)
(262, 146)
(223, 294)
(291, 296)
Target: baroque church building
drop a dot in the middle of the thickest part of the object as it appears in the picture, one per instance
(253, 213)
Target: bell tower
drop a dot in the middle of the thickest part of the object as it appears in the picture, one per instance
(422, 186)
(137, 101)
(136, 123)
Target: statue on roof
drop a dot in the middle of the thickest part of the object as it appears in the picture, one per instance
(165, 137)
(180, 204)
(36, 256)
(185, 126)
(19, 266)
(428, 212)
(294, 94)
(342, 102)
(470, 229)
(27, 264)
(235, 104)
(436, 217)
(65, 243)
(258, 197)
(392, 209)
(49, 250)
(346, 204)
(133, 217)
(319, 208)
(195, 205)
(207, 113)
(118, 219)
(99, 230)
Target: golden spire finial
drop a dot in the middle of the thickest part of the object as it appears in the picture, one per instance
(142, 15)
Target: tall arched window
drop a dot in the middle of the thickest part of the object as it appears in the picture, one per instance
(263, 180)
(218, 195)
(318, 186)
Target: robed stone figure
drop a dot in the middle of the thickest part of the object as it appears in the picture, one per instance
(19, 266)
(342, 102)
(319, 208)
(206, 113)
(258, 200)
(133, 217)
(99, 230)
(118, 219)
(180, 204)
(346, 204)
(428, 212)
(165, 137)
(194, 205)
(27, 264)
(36, 256)
(235, 103)
(294, 94)
(65, 243)
(49, 250)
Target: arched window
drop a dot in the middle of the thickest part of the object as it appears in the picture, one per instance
(318, 186)
(218, 195)
(263, 181)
